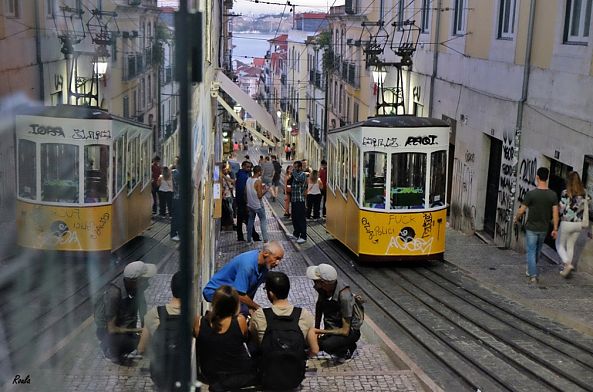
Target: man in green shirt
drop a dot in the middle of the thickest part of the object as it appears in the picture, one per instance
(543, 207)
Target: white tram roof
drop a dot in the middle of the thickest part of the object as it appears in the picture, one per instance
(401, 121)
(76, 112)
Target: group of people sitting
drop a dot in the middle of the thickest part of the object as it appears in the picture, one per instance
(238, 342)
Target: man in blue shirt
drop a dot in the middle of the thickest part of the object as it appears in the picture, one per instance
(245, 273)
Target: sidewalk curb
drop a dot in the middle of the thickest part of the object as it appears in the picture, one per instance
(372, 332)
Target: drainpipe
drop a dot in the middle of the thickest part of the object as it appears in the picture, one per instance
(38, 53)
(435, 57)
(519, 122)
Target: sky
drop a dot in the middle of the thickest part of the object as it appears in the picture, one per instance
(249, 7)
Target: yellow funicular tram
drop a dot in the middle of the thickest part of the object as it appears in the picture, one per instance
(387, 179)
(83, 179)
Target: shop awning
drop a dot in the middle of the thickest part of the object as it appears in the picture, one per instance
(263, 118)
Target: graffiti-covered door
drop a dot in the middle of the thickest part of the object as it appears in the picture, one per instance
(452, 135)
(492, 186)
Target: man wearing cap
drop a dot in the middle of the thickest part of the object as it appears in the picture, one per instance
(117, 312)
(335, 305)
(245, 273)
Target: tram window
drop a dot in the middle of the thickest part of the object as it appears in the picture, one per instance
(375, 170)
(120, 165)
(27, 169)
(354, 152)
(408, 179)
(96, 170)
(132, 163)
(59, 173)
(343, 159)
(144, 165)
(438, 180)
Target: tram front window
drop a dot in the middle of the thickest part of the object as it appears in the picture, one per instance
(438, 180)
(408, 179)
(96, 167)
(59, 173)
(27, 170)
(375, 170)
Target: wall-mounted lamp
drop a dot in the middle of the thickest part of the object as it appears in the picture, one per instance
(279, 114)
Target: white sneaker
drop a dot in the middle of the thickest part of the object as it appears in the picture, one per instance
(301, 241)
(176, 238)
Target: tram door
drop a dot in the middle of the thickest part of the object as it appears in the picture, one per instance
(492, 186)
(453, 124)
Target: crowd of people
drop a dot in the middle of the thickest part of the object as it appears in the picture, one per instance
(239, 342)
(245, 185)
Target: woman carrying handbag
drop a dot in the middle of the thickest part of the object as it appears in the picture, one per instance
(574, 216)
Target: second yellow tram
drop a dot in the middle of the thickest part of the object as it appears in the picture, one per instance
(387, 186)
(83, 179)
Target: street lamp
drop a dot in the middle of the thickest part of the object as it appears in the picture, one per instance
(100, 61)
(379, 73)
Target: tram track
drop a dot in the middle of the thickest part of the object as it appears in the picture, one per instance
(49, 312)
(557, 365)
(456, 326)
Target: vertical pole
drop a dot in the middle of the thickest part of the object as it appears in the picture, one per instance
(183, 75)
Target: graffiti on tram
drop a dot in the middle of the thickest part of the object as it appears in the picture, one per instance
(407, 233)
(64, 228)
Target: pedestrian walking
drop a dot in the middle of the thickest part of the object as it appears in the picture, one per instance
(287, 152)
(314, 187)
(255, 191)
(574, 216)
(155, 169)
(341, 313)
(293, 151)
(267, 172)
(242, 211)
(542, 204)
(245, 273)
(165, 184)
(323, 178)
(275, 177)
(298, 211)
(176, 205)
(228, 185)
(287, 191)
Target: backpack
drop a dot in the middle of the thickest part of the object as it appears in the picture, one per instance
(358, 309)
(99, 308)
(165, 351)
(283, 360)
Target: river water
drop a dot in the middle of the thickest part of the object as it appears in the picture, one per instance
(249, 45)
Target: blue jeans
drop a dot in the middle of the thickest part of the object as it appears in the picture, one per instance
(535, 242)
(261, 212)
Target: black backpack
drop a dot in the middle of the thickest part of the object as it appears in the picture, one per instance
(283, 360)
(165, 350)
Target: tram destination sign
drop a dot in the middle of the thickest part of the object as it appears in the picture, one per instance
(406, 138)
(64, 129)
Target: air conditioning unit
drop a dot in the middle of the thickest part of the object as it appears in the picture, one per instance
(134, 2)
(125, 34)
(350, 41)
(134, 34)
